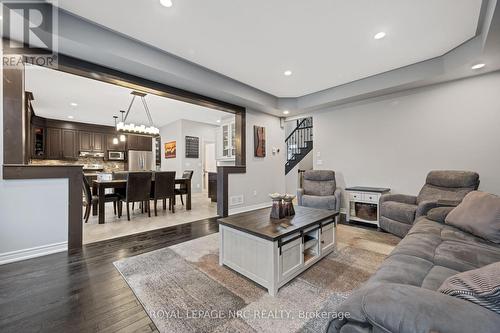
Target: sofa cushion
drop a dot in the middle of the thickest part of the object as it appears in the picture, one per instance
(439, 214)
(322, 202)
(398, 211)
(479, 214)
(480, 286)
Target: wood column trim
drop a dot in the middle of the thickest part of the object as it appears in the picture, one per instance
(223, 187)
(14, 116)
(75, 183)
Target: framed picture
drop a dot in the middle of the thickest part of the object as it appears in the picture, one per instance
(170, 149)
(259, 141)
(192, 147)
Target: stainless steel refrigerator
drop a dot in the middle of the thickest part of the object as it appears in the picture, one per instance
(141, 161)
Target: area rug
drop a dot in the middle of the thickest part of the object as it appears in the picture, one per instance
(183, 288)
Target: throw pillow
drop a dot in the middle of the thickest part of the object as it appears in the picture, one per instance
(480, 286)
(478, 214)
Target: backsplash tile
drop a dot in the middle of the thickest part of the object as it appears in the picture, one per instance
(108, 166)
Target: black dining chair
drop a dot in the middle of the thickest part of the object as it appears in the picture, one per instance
(89, 199)
(182, 189)
(138, 189)
(163, 189)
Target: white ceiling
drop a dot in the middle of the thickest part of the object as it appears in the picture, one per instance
(54, 91)
(325, 43)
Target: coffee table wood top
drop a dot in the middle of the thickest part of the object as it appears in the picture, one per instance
(259, 223)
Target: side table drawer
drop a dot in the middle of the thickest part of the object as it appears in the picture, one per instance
(371, 197)
(355, 196)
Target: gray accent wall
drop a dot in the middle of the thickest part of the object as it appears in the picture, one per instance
(394, 140)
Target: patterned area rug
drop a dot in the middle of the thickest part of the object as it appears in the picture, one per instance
(183, 288)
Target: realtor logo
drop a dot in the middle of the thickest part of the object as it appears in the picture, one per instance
(28, 30)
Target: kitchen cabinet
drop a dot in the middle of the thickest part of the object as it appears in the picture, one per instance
(62, 144)
(54, 150)
(98, 143)
(138, 142)
(69, 144)
(110, 146)
(90, 141)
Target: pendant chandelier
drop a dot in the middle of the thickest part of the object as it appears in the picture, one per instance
(133, 128)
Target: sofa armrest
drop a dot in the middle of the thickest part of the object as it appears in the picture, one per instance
(300, 193)
(403, 198)
(440, 209)
(418, 310)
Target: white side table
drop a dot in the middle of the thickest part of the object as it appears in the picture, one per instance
(363, 204)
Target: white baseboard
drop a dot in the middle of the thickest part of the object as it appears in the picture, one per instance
(33, 252)
(238, 210)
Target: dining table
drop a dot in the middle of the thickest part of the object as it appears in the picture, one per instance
(99, 187)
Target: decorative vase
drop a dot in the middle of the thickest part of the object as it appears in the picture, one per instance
(288, 205)
(277, 211)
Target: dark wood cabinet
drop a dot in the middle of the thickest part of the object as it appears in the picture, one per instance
(91, 141)
(138, 142)
(85, 141)
(54, 149)
(69, 145)
(98, 143)
(110, 146)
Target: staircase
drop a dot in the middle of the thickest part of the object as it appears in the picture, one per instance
(299, 143)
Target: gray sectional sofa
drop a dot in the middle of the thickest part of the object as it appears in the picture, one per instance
(402, 295)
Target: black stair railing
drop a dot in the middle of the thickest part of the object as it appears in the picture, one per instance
(299, 143)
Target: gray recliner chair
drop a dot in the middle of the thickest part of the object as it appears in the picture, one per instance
(399, 211)
(319, 190)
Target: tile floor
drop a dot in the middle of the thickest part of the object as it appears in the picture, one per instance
(202, 208)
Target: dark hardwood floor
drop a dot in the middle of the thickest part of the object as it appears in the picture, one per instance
(82, 291)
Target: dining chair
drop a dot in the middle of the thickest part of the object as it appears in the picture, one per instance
(163, 189)
(182, 189)
(138, 189)
(89, 199)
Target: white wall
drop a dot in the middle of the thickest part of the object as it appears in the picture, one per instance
(177, 131)
(263, 175)
(171, 132)
(395, 140)
(33, 214)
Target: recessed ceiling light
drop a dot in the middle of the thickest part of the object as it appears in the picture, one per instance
(218, 120)
(478, 66)
(287, 72)
(166, 3)
(73, 104)
(286, 112)
(380, 35)
(70, 117)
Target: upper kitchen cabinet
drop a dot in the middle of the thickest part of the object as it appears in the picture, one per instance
(110, 146)
(139, 142)
(91, 142)
(62, 144)
(69, 144)
(54, 143)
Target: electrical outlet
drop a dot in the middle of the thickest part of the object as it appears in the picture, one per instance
(254, 193)
(197, 185)
(236, 200)
(319, 162)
